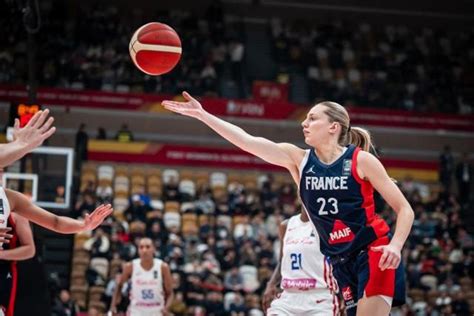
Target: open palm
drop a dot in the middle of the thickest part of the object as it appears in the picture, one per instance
(190, 108)
(96, 218)
(36, 131)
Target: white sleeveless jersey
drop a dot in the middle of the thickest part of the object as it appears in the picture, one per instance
(4, 210)
(303, 266)
(147, 294)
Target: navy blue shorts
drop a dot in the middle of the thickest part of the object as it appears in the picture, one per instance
(360, 273)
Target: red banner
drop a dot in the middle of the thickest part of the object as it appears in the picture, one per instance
(180, 155)
(393, 118)
(166, 154)
(237, 108)
(269, 91)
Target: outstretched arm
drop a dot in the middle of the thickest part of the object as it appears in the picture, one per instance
(372, 169)
(281, 154)
(27, 138)
(21, 205)
(26, 249)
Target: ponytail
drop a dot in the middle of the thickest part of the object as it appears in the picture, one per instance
(361, 137)
(357, 136)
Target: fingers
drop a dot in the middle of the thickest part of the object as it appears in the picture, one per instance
(48, 134)
(5, 229)
(188, 97)
(383, 260)
(46, 125)
(377, 249)
(17, 124)
(34, 119)
(394, 262)
(41, 119)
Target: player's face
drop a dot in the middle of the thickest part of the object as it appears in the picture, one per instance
(316, 126)
(146, 249)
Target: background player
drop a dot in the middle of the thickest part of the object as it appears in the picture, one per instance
(151, 291)
(303, 273)
(339, 199)
(20, 247)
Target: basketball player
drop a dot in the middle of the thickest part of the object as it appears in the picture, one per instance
(20, 247)
(303, 272)
(151, 291)
(25, 139)
(336, 180)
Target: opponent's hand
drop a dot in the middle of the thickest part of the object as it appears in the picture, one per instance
(36, 131)
(391, 256)
(94, 219)
(271, 292)
(4, 235)
(191, 107)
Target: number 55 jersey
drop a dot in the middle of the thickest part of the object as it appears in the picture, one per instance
(147, 294)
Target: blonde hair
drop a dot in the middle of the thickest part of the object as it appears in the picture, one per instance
(357, 136)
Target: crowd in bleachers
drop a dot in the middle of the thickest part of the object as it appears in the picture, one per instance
(391, 66)
(218, 233)
(86, 47)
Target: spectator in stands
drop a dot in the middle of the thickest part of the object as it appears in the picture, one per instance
(233, 281)
(214, 304)
(446, 167)
(87, 205)
(459, 305)
(104, 193)
(64, 305)
(101, 134)
(82, 140)
(171, 191)
(124, 135)
(59, 194)
(137, 210)
(98, 245)
(244, 230)
(464, 174)
(237, 306)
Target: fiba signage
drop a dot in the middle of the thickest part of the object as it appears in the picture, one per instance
(270, 91)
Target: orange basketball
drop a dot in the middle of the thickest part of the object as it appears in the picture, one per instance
(155, 48)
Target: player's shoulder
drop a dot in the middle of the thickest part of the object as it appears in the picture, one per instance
(284, 223)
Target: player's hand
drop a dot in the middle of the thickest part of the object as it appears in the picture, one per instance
(166, 313)
(271, 292)
(36, 131)
(391, 256)
(4, 235)
(94, 219)
(190, 108)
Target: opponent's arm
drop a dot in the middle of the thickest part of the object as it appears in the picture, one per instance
(21, 205)
(372, 169)
(26, 249)
(117, 297)
(271, 289)
(25, 139)
(282, 154)
(167, 286)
